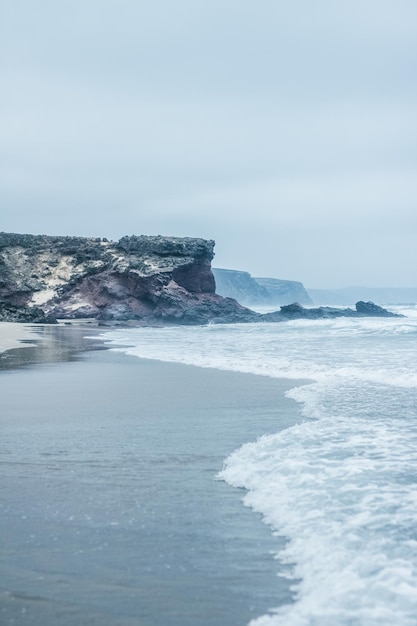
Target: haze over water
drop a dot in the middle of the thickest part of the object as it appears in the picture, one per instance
(285, 131)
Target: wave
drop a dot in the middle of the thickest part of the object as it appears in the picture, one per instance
(341, 486)
(302, 349)
(343, 493)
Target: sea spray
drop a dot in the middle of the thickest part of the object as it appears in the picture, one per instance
(342, 485)
(344, 495)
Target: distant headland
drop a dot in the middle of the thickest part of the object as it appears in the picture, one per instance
(143, 279)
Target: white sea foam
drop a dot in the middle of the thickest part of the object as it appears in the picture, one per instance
(343, 492)
(342, 487)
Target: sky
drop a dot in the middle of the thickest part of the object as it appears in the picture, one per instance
(285, 131)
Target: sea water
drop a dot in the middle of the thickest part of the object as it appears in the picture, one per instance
(341, 485)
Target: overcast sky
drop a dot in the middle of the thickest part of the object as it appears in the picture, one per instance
(286, 131)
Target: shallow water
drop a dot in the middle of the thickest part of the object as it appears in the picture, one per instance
(342, 485)
(110, 508)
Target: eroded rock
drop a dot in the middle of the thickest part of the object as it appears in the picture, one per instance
(165, 279)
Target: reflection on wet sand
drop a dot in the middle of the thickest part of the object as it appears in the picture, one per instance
(52, 344)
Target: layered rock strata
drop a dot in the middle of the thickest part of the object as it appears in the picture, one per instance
(150, 280)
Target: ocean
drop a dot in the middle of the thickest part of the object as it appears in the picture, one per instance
(341, 485)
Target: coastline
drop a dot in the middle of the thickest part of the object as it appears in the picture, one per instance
(12, 334)
(23, 344)
(112, 513)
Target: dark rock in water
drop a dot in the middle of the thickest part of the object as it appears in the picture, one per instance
(373, 310)
(296, 312)
(148, 279)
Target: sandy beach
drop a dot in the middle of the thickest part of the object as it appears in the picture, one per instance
(12, 335)
(111, 511)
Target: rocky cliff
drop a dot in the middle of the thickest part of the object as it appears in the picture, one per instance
(151, 279)
(259, 292)
(241, 286)
(284, 291)
(148, 279)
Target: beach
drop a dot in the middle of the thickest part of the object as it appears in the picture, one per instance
(111, 512)
(12, 335)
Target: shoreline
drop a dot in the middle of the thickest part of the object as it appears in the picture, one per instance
(14, 335)
(23, 344)
(112, 513)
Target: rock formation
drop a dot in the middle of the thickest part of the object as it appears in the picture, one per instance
(240, 286)
(296, 312)
(259, 292)
(166, 279)
(284, 291)
(148, 279)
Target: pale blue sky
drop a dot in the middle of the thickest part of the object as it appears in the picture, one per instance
(285, 131)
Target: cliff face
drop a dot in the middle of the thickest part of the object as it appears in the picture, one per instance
(150, 279)
(142, 278)
(259, 292)
(241, 286)
(284, 291)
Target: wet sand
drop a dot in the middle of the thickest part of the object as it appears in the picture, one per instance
(110, 508)
(12, 335)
